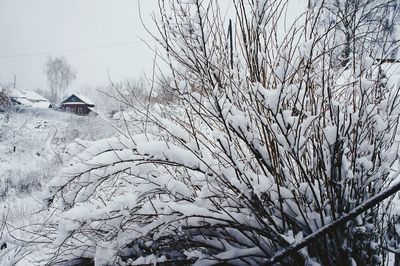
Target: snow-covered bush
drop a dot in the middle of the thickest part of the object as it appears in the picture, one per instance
(5, 102)
(271, 143)
(20, 182)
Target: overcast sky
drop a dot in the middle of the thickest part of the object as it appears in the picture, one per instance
(30, 27)
(31, 30)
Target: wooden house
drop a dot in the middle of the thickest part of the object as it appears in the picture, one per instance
(28, 98)
(78, 104)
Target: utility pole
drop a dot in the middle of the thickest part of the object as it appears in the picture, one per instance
(15, 81)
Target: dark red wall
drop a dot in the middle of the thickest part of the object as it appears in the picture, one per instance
(74, 108)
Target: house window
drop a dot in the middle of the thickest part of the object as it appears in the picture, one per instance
(80, 110)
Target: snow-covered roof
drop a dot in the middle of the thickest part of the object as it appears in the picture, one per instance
(41, 104)
(83, 98)
(28, 98)
(93, 109)
(14, 93)
(74, 103)
(31, 95)
(24, 102)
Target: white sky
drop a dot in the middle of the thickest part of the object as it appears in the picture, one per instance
(30, 27)
(39, 26)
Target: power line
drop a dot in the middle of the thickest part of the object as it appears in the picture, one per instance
(71, 50)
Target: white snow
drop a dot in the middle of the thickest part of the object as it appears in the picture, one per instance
(29, 98)
(84, 98)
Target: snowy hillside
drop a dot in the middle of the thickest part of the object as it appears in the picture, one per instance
(34, 145)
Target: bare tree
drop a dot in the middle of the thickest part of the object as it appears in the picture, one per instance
(43, 92)
(59, 75)
(117, 96)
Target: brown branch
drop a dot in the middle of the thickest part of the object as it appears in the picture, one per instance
(295, 247)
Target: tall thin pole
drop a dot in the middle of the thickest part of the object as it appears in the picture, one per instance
(230, 41)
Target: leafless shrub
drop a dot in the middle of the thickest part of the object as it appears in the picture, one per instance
(271, 144)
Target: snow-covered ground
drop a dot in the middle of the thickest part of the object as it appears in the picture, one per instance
(34, 145)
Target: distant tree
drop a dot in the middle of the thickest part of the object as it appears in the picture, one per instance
(166, 93)
(131, 92)
(59, 75)
(134, 90)
(45, 93)
(6, 85)
(117, 96)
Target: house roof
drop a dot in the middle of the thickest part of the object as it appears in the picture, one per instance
(28, 98)
(41, 104)
(31, 95)
(24, 102)
(83, 98)
(14, 93)
(25, 94)
(93, 109)
(74, 103)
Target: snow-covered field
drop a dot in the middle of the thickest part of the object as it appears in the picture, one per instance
(34, 145)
